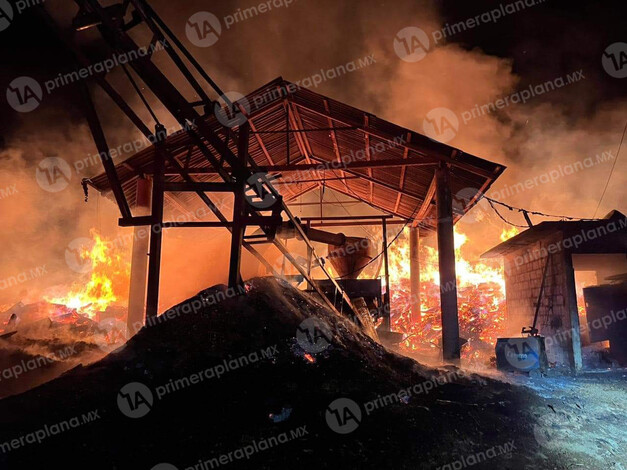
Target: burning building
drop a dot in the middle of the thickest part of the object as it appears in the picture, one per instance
(286, 141)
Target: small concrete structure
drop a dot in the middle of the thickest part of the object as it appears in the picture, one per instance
(557, 248)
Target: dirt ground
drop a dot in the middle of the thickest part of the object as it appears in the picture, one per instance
(586, 417)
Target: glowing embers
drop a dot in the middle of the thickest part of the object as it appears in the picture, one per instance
(481, 301)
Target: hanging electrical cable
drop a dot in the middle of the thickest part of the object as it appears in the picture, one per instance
(501, 217)
(609, 177)
(528, 211)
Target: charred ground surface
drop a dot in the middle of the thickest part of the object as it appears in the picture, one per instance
(273, 405)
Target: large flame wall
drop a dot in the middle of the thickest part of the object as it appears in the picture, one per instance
(481, 300)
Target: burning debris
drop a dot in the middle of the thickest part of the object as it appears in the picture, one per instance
(73, 325)
(481, 297)
(101, 293)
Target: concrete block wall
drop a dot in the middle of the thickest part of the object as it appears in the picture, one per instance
(523, 277)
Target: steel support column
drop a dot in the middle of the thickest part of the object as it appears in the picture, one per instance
(239, 211)
(386, 298)
(309, 257)
(414, 272)
(446, 261)
(156, 229)
(139, 261)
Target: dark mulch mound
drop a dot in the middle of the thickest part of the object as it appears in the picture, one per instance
(248, 407)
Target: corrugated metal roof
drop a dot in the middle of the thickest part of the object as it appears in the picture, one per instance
(333, 132)
(569, 228)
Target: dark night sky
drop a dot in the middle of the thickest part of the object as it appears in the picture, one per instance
(551, 39)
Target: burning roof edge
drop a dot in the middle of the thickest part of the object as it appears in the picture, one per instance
(537, 232)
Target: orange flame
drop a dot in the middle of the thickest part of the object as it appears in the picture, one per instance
(508, 233)
(481, 300)
(108, 281)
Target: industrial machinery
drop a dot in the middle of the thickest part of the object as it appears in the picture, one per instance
(348, 256)
(348, 260)
(606, 315)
